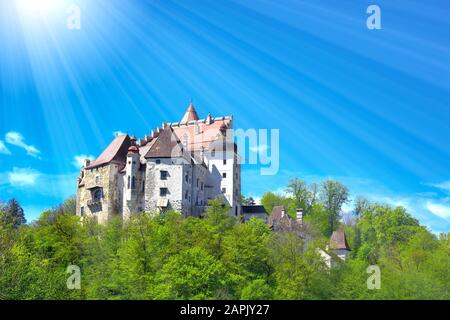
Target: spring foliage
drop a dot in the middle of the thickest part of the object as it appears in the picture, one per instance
(166, 256)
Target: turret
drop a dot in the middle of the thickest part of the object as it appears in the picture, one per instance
(190, 115)
(131, 179)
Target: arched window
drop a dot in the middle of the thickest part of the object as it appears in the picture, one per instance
(98, 195)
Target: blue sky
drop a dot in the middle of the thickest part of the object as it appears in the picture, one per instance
(367, 107)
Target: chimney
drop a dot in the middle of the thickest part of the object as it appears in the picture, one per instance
(87, 162)
(300, 216)
(196, 128)
(208, 120)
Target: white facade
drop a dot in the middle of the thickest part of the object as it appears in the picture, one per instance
(149, 176)
(225, 177)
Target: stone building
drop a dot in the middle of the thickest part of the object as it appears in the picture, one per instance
(179, 166)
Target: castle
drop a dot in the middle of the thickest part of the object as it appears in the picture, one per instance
(180, 166)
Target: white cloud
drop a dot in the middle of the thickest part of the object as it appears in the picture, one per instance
(35, 183)
(21, 177)
(439, 210)
(443, 185)
(4, 149)
(78, 161)
(16, 139)
(118, 133)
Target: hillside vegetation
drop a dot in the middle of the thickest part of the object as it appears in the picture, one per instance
(170, 257)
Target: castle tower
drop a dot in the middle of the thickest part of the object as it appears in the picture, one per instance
(132, 181)
(190, 115)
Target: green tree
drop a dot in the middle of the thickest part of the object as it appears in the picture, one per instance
(12, 213)
(191, 274)
(257, 289)
(245, 253)
(247, 201)
(333, 196)
(304, 196)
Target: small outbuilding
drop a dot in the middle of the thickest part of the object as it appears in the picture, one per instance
(255, 211)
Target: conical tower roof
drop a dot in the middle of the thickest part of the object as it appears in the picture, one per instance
(190, 114)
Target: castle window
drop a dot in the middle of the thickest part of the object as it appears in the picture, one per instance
(97, 179)
(143, 186)
(133, 183)
(186, 194)
(202, 186)
(98, 195)
(158, 161)
(163, 175)
(129, 182)
(224, 175)
(186, 178)
(224, 190)
(224, 162)
(163, 192)
(82, 211)
(198, 183)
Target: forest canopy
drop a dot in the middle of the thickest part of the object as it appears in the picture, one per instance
(166, 256)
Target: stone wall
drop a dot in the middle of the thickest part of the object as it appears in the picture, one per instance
(105, 178)
(175, 183)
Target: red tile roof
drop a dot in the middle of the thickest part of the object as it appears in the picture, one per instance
(279, 218)
(166, 145)
(115, 152)
(339, 241)
(200, 135)
(190, 114)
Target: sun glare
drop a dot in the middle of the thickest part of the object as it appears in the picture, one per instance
(37, 6)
